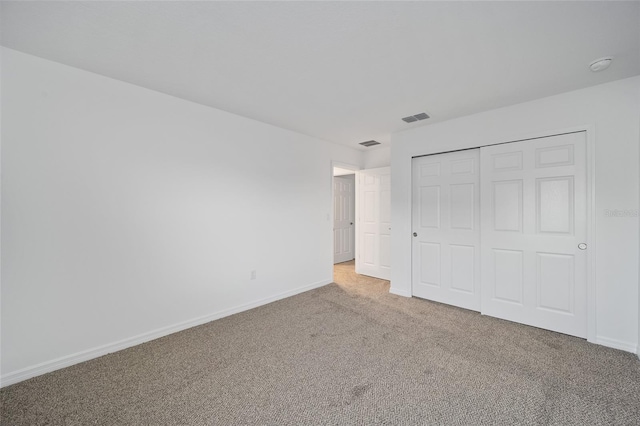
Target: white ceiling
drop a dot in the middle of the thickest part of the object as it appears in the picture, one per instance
(346, 72)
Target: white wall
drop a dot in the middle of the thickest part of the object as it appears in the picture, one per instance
(377, 157)
(613, 110)
(129, 214)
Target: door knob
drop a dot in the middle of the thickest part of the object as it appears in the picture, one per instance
(582, 246)
(351, 223)
(415, 234)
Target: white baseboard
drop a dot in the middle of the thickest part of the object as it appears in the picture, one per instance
(617, 344)
(400, 292)
(78, 357)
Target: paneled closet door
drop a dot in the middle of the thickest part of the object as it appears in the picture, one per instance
(534, 226)
(446, 228)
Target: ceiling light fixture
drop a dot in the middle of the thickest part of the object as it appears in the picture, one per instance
(369, 143)
(600, 64)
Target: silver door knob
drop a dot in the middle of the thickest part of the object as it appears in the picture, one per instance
(415, 234)
(582, 246)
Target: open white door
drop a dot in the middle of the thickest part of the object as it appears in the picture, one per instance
(534, 232)
(446, 228)
(373, 222)
(343, 218)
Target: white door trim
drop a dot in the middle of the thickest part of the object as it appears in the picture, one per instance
(591, 207)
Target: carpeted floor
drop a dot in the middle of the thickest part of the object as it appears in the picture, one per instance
(347, 353)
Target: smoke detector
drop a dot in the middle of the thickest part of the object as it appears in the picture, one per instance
(600, 64)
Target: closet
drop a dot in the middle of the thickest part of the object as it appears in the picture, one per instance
(502, 229)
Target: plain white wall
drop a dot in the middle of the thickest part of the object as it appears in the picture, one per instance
(128, 214)
(377, 157)
(613, 110)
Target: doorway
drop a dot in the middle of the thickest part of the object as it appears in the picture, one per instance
(344, 216)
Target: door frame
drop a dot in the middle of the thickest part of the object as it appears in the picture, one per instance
(348, 178)
(330, 216)
(591, 207)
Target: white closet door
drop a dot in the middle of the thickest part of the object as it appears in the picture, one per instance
(533, 229)
(373, 223)
(446, 227)
(343, 218)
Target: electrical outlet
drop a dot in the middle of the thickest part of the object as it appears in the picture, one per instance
(253, 274)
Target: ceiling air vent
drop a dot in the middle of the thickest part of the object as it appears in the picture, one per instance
(369, 143)
(412, 118)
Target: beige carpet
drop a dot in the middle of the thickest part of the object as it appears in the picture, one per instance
(347, 353)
